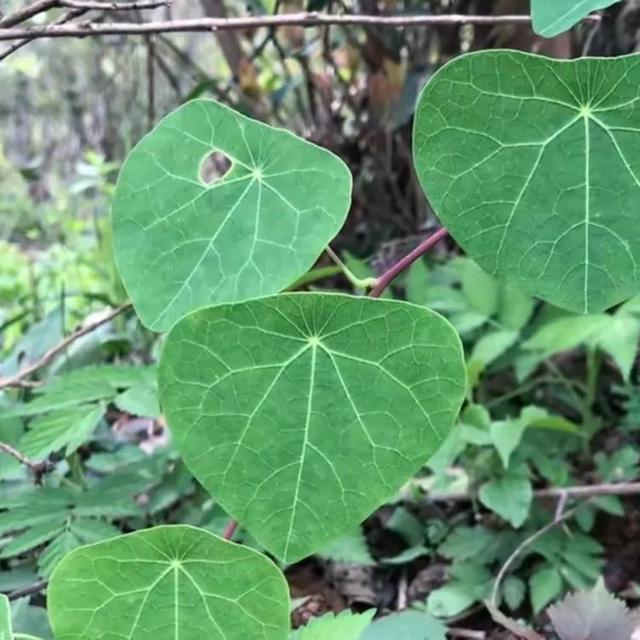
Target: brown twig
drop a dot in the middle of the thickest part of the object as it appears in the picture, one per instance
(49, 356)
(253, 22)
(38, 469)
(67, 17)
(37, 587)
(404, 263)
(28, 12)
(89, 5)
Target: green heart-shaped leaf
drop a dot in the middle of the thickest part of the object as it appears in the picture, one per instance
(181, 243)
(551, 17)
(534, 167)
(165, 583)
(302, 413)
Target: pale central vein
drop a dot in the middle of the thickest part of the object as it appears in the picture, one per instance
(305, 441)
(587, 195)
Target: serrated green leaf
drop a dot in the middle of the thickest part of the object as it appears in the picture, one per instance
(513, 591)
(180, 243)
(449, 601)
(32, 538)
(509, 496)
(350, 549)
(139, 401)
(506, 436)
(551, 17)
(91, 530)
(328, 406)
(567, 333)
(65, 429)
(544, 585)
(620, 340)
(542, 194)
(88, 384)
(165, 583)
(58, 548)
(6, 632)
(346, 626)
(34, 507)
(407, 625)
(408, 555)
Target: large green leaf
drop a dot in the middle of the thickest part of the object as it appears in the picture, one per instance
(165, 583)
(534, 167)
(181, 243)
(551, 17)
(301, 413)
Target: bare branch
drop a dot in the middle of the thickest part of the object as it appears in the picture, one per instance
(67, 17)
(253, 22)
(31, 10)
(49, 356)
(28, 591)
(89, 5)
(38, 469)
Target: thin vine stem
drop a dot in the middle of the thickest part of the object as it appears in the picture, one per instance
(404, 263)
(230, 529)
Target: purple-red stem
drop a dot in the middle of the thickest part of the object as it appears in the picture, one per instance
(404, 263)
(230, 529)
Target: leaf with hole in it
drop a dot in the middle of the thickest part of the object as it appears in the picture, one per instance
(165, 583)
(533, 166)
(551, 17)
(181, 243)
(301, 413)
(6, 632)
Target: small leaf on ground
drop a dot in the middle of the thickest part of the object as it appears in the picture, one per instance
(407, 625)
(165, 583)
(344, 626)
(509, 495)
(544, 585)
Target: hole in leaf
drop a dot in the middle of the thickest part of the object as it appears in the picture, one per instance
(214, 167)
